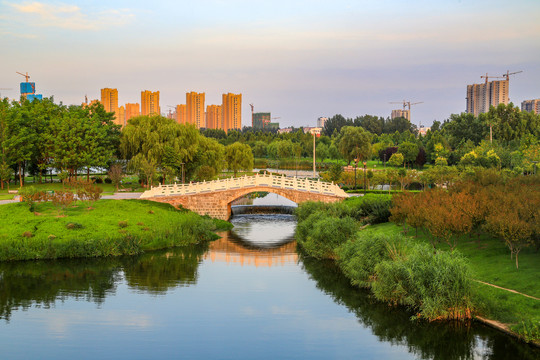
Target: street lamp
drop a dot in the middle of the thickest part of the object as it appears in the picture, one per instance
(365, 178)
(355, 165)
(182, 172)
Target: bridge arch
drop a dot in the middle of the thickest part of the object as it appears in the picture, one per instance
(215, 198)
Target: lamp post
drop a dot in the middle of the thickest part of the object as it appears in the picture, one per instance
(365, 178)
(182, 172)
(355, 165)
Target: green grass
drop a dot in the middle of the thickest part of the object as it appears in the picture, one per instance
(107, 188)
(107, 228)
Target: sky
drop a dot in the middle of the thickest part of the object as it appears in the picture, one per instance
(298, 59)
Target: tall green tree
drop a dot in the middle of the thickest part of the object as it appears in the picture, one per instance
(239, 157)
(354, 143)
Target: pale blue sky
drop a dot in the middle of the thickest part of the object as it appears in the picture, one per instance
(298, 59)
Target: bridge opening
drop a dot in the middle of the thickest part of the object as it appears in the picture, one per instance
(262, 202)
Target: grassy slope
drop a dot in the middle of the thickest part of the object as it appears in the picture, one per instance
(490, 262)
(153, 222)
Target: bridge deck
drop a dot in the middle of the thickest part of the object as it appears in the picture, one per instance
(270, 181)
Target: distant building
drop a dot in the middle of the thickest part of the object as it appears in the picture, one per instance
(214, 118)
(261, 120)
(150, 103)
(401, 114)
(422, 130)
(181, 114)
(232, 111)
(285, 130)
(195, 109)
(121, 117)
(313, 130)
(531, 106)
(131, 110)
(109, 99)
(272, 126)
(321, 121)
(481, 96)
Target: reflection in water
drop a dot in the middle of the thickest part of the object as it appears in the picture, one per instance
(426, 340)
(283, 298)
(257, 240)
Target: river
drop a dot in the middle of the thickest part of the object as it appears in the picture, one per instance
(248, 295)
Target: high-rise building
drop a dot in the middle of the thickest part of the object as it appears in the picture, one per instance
(132, 110)
(401, 113)
(321, 121)
(481, 96)
(181, 114)
(195, 109)
(261, 120)
(109, 99)
(121, 117)
(232, 111)
(150, 103)
(214, 118)
(531, 106)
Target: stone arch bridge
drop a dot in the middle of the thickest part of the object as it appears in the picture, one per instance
(214, 198)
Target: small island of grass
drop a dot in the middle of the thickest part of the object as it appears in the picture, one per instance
(100, 228)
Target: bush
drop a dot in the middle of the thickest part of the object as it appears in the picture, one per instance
(358, 259)
(372, 208)
(123, 223)
(321, 234)
(108, 180)
(436, 285)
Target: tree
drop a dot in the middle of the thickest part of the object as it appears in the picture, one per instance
(335, 123)
(335, 172)
(409, 151)
(321, 152)
(115, 174)
(259, 149)
(239, 156)
(396, 159)
(354, 143)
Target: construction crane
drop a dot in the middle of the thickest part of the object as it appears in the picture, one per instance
(279, 117)
(488, 76)
(508, 73)
(26, 76)
(406, 103)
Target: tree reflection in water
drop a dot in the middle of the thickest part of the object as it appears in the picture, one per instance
(426, 340)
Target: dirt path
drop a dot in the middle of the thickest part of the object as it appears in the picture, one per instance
(510, 290)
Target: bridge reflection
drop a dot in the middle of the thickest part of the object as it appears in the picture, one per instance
(234, 250)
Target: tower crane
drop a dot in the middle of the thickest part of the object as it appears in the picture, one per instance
(488, 76)
(26, 76)
(406, 103)
(508, 73)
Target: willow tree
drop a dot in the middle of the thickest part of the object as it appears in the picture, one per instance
(239, 157)
(354, 143)
(169, 146)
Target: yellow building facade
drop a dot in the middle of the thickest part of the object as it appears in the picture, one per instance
(181, 114)
(214, 119)
(109, 99)
(121, 117)
(232, 111)
(195, 109)
(131, 111)
(150, 103)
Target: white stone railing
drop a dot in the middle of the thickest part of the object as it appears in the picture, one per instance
(282, 182)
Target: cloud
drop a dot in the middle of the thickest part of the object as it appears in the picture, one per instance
(70, 17)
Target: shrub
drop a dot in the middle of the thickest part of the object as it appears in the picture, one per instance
(108, 180)
(321, 234)
(73, 226)
(358, 258)
(436, 285)
(123, 223)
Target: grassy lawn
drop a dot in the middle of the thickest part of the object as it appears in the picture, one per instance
(108, 189)
(490, 262)
(102, 228)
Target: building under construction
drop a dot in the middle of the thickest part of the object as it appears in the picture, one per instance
(28, 89)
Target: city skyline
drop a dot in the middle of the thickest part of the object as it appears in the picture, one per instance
(300, 60)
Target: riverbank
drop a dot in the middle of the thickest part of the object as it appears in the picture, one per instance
(399, 269)
(101, 228)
